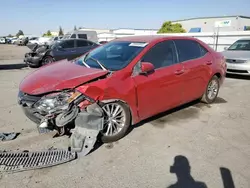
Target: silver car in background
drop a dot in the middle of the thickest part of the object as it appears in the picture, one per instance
(238, 57)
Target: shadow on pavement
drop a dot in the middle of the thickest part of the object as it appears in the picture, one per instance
(182, 169)
(12, 66)
(240, 77)
(182, 113)
(227, 178)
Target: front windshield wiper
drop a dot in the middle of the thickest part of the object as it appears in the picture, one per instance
(101, 65)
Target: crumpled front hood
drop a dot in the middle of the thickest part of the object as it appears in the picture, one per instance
(231, 54)
(58, 76)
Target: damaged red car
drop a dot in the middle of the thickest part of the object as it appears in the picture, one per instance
(131, 79)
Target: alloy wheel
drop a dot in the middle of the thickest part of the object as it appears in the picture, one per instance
(114, 119)
(212, 89)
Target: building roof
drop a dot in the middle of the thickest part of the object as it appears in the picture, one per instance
(135, 29)
(240, 16)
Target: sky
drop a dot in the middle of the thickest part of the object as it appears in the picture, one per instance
(37, 16)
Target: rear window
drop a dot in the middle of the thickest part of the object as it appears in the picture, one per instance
(188, 49)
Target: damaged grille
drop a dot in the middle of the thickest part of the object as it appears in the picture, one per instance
(21, 161)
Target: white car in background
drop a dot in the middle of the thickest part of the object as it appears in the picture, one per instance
(34, 40)
(13, 40)
(2, 40)
(43, 40)
(53, 39)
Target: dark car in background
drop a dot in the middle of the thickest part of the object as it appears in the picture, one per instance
(62, 49)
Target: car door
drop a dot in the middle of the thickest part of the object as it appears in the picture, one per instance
(160, 90)
(83, 46)
(196, 61)
(65, 50)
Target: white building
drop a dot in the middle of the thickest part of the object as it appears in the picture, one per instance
(124, 32)
(95, 29)
(207, 24)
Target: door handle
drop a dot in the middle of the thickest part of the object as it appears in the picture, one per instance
(209, 62)
(178, 72)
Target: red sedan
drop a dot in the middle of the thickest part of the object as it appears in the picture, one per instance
(133, 77)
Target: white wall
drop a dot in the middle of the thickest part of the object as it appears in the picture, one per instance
(225, 39)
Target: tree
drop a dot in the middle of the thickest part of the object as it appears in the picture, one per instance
(80, 28)
(10, 35)
(20, 32)
(48, 33)
(168, 27)
(60, 31)
(75, 28)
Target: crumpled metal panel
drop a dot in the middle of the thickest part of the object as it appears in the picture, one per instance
(88, 124)
(22, 161)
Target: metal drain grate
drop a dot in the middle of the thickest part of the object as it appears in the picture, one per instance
(21, 161)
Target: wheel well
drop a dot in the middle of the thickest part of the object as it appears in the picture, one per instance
(218, 75)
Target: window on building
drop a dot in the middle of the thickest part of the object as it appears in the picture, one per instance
(246, 28)
(195, 30)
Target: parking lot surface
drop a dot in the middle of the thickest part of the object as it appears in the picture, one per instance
(210, 141)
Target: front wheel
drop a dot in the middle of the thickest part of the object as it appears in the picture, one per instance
(212, 91)
(47, 60)
(117, 120)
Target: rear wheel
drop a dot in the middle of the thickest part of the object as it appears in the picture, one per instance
(47, 60)
(212, 91)
(117, 119)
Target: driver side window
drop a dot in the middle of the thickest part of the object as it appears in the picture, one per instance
(67, 44)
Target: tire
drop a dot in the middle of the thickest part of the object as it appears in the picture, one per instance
(207, 97)
(47, 60)
(105, 138)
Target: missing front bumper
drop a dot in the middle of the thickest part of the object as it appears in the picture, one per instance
(32, 60)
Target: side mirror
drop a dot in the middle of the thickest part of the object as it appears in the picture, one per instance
(225, 48)
(147, 68)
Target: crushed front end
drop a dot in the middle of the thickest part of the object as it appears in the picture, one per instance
(54, 110)
(35, 56)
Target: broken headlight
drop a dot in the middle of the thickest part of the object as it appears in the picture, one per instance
(56, 101)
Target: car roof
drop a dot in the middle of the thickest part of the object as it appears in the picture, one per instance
(244, 39)
(150, 38)
(76, 39)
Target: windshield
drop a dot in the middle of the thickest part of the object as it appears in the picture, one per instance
(113, 56)
(240, 45)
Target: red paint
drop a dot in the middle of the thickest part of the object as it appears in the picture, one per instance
(146, 95)
(58, 76)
